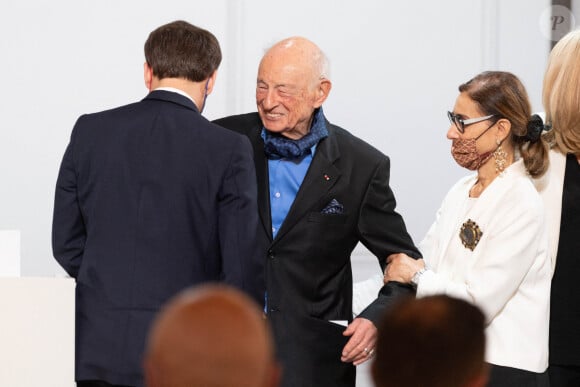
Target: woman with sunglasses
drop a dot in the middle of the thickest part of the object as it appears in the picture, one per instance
(489, 243)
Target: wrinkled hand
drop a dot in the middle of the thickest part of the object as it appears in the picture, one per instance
(401, 268)
(361, 345)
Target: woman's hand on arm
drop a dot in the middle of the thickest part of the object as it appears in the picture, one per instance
(401, 268)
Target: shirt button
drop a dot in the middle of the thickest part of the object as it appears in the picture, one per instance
(277, 194)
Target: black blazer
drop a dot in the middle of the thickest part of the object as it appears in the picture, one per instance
(308, 269)
(150, 198)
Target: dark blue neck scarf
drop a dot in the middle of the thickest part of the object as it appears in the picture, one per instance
(277, 146)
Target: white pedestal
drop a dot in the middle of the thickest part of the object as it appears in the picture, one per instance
(37, 332)
(9, 253)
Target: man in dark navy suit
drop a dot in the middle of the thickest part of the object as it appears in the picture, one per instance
(321, 190)
(150, 199)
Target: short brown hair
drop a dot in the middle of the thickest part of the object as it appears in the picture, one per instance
(561, 94)
(182, 50)
(436, 341)
(502, 94)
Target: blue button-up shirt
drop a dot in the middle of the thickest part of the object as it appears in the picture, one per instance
(285, 177)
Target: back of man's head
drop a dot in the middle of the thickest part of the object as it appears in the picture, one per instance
(182, 50)
(436, 341)
(210, 336)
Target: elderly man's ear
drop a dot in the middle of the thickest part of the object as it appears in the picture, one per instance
(323, 90)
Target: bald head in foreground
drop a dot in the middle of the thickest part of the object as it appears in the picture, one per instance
(210, 336)
(436, 341)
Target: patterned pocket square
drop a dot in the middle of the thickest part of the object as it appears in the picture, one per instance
(333, 207)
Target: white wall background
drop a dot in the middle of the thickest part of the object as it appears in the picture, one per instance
(395, 70)
(395, 67)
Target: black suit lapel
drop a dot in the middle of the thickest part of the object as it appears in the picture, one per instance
(322, 175)
(261, 164)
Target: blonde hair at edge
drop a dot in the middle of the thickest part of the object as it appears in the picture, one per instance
(561, 94)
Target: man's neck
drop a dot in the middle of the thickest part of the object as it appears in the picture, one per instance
(192, 89)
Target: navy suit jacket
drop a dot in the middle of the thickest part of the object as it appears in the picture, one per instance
(308, 267)
(151, 198)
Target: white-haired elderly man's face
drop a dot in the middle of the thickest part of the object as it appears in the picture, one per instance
(288, 91)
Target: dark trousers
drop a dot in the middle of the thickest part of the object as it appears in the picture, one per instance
(500, 376)
(96, 383)
(564, 376)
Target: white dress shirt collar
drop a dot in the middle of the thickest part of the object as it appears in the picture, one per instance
(178, 91)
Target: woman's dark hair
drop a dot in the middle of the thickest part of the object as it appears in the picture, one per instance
(435, 341)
